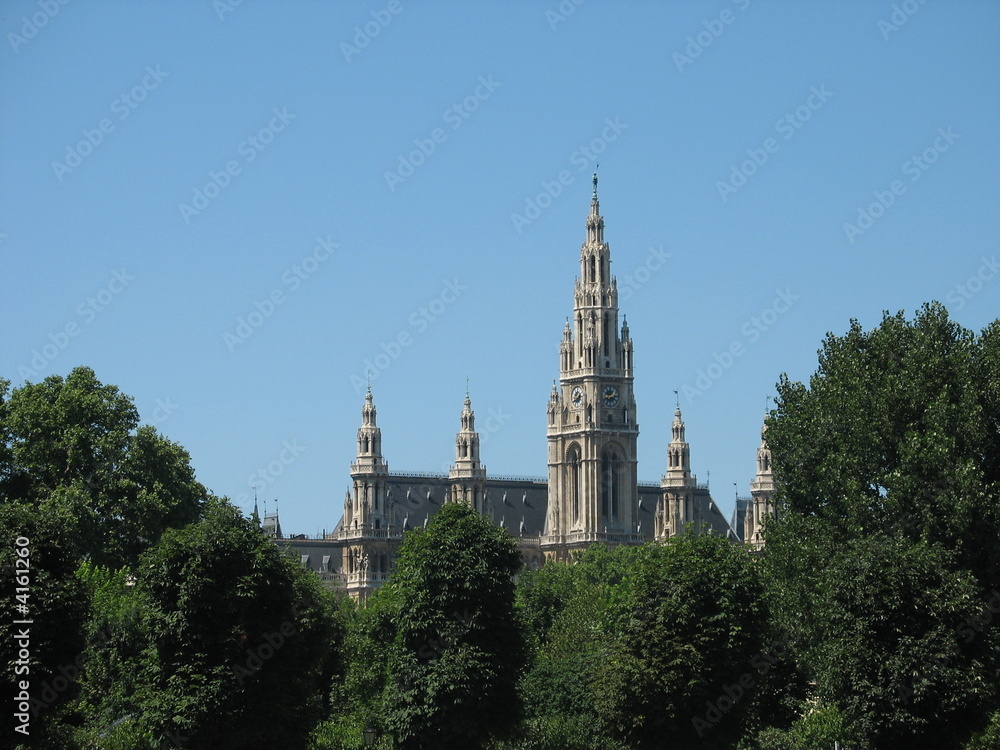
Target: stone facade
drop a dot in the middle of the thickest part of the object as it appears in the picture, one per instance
(591, 495)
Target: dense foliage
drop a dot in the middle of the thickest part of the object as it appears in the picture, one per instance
(222, 642)
(884, 560)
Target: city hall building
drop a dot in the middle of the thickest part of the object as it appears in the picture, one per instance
(591, 494)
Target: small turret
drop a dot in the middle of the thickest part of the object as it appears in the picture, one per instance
(467, 475)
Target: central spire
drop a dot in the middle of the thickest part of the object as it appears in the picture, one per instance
(595, 222)
(592, 430)
(595, 340)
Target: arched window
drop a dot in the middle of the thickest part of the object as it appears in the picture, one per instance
(573, 466)
(611, 480)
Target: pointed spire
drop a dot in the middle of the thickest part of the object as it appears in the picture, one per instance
(467, 472)
(677, 428)
(368, 410)
(369, 455)
(678, 454)
(595, 222)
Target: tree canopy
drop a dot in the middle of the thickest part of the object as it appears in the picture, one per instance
(76, 443)
(457, 650)
(887, 543)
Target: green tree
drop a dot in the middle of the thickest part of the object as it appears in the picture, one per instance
(77, 443)
(887, 543)
(568, 613)
(222, 642)
(457, 648)
(39, 559)
(688, 651)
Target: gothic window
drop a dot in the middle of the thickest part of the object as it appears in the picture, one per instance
(378, 523)
(593, 271)
(573, 479)
(611, 480)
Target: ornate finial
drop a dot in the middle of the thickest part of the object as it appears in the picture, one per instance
(678, 398)
(598, 166)
(466, 386)
(369, 373)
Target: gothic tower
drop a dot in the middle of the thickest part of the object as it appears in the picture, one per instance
(592, 430)
(467, 475)
(761, 492)
(677, 506)
(368, 523)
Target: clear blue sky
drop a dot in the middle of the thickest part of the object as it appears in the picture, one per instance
(833, 99)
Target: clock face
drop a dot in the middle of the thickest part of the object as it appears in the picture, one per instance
(610, 395)
(577, 396)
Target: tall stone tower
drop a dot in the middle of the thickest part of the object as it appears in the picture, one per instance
(592, 488)
(368, 528)
(761, 492)
(677, 506)
(468, 475)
